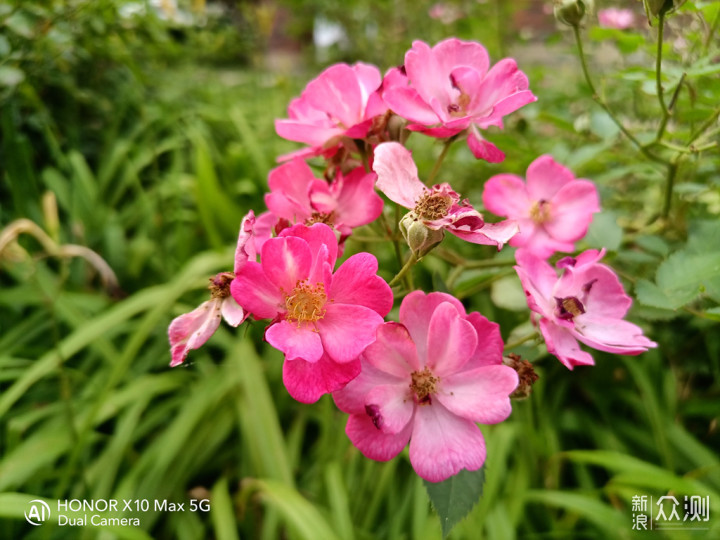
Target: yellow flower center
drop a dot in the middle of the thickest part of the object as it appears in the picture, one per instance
(306, 302)
(423, 384)
(433, 206)
(540, 211)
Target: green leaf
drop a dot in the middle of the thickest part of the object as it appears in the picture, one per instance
(604, 232)
(508, 293)
(683, 277)
(455, 497)
(11, 76)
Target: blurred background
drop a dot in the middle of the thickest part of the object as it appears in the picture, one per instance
(134, 135)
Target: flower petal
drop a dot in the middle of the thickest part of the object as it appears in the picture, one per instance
(286, 261)
(255, 293)
(481, 395)
(351, 398)
(611, 335)
(373, 443)
(347, 329)
(391, 406)
(482, 148)
(232, 312)
(561, 342)
(192, 330)
(297, 341)
(316, 236)
(393, 352)
(308, 381)
(506, 195)
(245, 249)
(573, 207)
(443, 444)
(397, 174)
(451, 340)
(489, 349)
(545, 177)
(356, 282)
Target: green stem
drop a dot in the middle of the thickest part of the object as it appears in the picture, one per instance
(711, 33)
(596, 97)
(709, 122)
(440, 159)
(520, 341)
(658, 79)
(404, 270)
(669, 182)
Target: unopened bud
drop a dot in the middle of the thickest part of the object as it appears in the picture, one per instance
(526, 375)
(419, 237)
(570, 12)
(656, 7)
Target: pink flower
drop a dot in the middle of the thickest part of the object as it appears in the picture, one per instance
(438, 208)
(621, 19)
(319, 319)
(191, 330)
(341, 102)
(348, 202)
(445, 13)
(587, 304)
(452, 90)
(429, 379)
(553, 209)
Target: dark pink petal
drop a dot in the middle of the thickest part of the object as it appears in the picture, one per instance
(357, 282)
(611, 335)
(538, 279)
(373, 443)
(443, 444)
(357, 202)
(504, 107)
(263, 229)
(286, 261)
(347, 329)
(316, 236)
(439, 132)
(397, 174)
(561, 342)
(415, 312)
(392, 406)
(337, 92)
(256, 294)
(502, 81)
(489, 349)
(192, 330)
(453, 52)
(351, 398)
(481, 395)
(232, 312)
(245, 249)
(451, 341)
(506, 195)
(308, 381)
(483, 149)
(393, 352)
(572, 210)
(296, 340)
(321, 198)
(545, 177)
(369, 79)
(300, 131)
(599, 289)
(538, 242)
(407, 103)
(290, 190)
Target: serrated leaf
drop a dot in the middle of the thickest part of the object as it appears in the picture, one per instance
(684, 276)
(455, 497)
(650, 294)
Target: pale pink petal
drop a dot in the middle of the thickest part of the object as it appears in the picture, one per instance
(232, 312)
(397, 174)
(502, 81)
(301, 131)
(192, 330)
(490, 234)
(564, 346)
(451, 341)
(351, 398)
(373, 443)
(453, 52)
(393, 352)
(443, 444)
(504, 107)
(480, 395)
(255, 293)
(263, 229)
(308, 381)
(483, 149)
(506, 195)
(489, 349)
(347, 329)
(391, 406)
(286, 261)
(357, 282)
(369, 79)
(415, 312)
(245, 249)
(572, 210)
(538, 279)
(290, 190)
(336, 91)
(296, 340)
(538, 242)
(427, 74)
(545, 177)
(611, 334)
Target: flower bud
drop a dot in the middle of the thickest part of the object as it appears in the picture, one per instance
(570, 12)
(656, 7)
(418, 236)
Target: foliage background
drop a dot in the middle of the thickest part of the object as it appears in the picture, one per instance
(146, 140)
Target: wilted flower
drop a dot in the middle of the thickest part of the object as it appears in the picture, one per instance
(437, 208)
(428, 380)
(451, 88)
(586, 303)
(553, 209)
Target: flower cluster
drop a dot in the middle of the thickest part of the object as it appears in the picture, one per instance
(430, 378)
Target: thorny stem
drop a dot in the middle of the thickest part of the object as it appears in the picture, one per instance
(440, 159)
(599, 101)
(404, 270)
